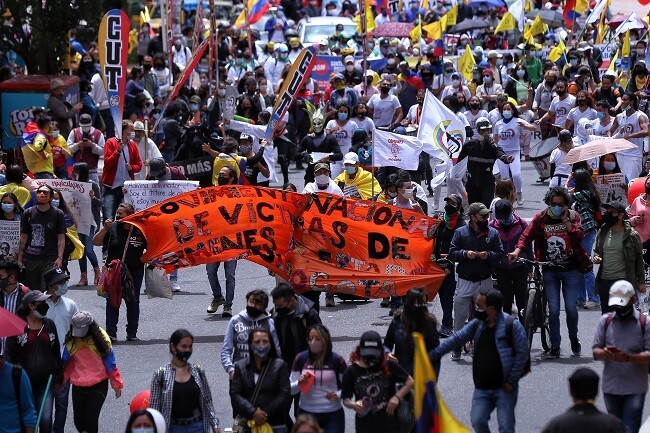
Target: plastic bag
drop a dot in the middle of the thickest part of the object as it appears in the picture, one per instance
(157, 283)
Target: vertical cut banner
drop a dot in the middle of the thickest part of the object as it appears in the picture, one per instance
(113, 56)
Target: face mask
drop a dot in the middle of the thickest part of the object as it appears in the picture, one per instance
(499, 62)
(253, 312)
(349, 68)
(204, 81)
(508, 221)
(556, 211)
(177, 45)
(130, 135)
(54, 134)
(351, 170)
(340, 86)
(384, 89)
(316, 346)
(487, 80)
(55, 202)
(549, 42)
(282, 311)
(263, 88)
(609, 166)
(342, 116)
(624, 311)
(448, 74)
(640, 51)
(194, 107)
(482, 225)
(283, 56)
(384, 14)
(142, 430)
(183, 356)
(261, 350)
(322, 179)
(582, 102)
(625, 107)
(7, 207)
(507, 115)
(371, 45)
(560, 92)
(420, 101)
(474, 106)
(574, 62)
(391, 61)
(371, 360)
(221, 92)
(63, 289)
(609, 220)
(416, 52)
(245, 149)
(521, 73)
(41, 310)
(147, 67)
(600, 115)
(550, 83)
(481, 315)
(455, 83)
(408, 193)
(450, 210)
(222, 180)
(392, 194)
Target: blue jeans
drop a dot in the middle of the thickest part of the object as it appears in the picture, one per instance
(627, 408)
(589, 279)
(330, 422)
(485, 401)
(61, 408)
(45, 426)
(280, 429)
(197, 427)
(89, 251)
(132, 308)
(568, 283)
(229, 268)
(112, 198)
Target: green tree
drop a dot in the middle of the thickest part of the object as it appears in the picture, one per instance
(38, 29)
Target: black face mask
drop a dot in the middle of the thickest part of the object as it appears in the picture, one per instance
(482, 225)
(647, 189)
(384, 89)
(282, 311)
(222, 180)
(147, 67)
(609, 220)
(450, 210)
(42, 309)
(481, 315)
(183, 356)
(624, 311)
(582, 103)
(560, 92)
(372, 361)
(474, 106)
(253, 312)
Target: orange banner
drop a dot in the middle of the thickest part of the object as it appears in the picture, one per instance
(320, 242)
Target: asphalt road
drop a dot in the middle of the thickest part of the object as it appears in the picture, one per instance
(543, 393)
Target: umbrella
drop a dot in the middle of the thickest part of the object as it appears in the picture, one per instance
(393, 30)
(597, 148)
(495, 3)
(552, 18)
(10, 324)
(467, 25)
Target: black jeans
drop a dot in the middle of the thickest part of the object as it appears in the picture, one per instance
(132, 307)
(446, 294)
(480, 191)
(603, 291)
(513, 285)
(87, 402)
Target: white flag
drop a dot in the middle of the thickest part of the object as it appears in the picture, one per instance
(517, 11)
(630, 23)
(257, 131)
(390, 149)
(441, 132)
(596, 12)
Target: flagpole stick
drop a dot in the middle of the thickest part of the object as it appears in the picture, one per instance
(212, 56)
(364, 43)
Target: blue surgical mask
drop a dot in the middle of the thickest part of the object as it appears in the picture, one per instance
(54, 134)
(556, 211)
(261, 350)
(342, 116)
(508, 221)
(142, 430)
(600, 115)
(55, 202)
(194, 107)
(351, 170)
(63, 289)
(507, 115)
(607, 165)
(521, 73)
(7, 207)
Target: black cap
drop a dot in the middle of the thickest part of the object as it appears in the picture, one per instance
(584, 70)
(384, 42)
(371, 344)
(157, 167)
(502, 209)
(54, 276)
(454, 200)
(33, 296)
(617, 205)
(565, 135)
(39, 110)
(245, 137)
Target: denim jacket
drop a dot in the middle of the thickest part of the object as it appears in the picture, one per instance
(513, 359)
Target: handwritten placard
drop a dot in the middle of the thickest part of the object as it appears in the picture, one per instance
(77, 197)
(144, 193)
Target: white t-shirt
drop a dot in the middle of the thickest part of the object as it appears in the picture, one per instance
(366, 124)
(343, 135)
(332, 188)
(557, 158)
(575, 114)
(602, 130)
(472, 118)
(451, 90)
(630, 125)
(561, 108)
(508, 134)
(383, 109)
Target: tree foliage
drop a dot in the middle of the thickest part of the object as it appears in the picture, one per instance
(38, 29)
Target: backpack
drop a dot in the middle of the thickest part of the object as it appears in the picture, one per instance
(642, 321)
(509, 323)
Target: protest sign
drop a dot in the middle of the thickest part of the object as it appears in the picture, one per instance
(77, 197)
(612, 187)
(144, 193)
(319, 242)
(194, 168)
(9, 239)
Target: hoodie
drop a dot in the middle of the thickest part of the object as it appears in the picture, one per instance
(292, 328)
(235, 340)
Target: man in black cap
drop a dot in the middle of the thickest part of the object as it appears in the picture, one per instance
(160, 170)
(584, 415)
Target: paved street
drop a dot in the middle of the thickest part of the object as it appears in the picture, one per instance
(543, 393)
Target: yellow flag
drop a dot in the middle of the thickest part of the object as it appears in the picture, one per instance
(443, 22)
(133, 40)
(557, 52)
(612, 62)
(425, 5)
(434, 30)
(416, 34)
(581, 6)
(625, 49)
(452, 16)
(466, 64)
(601, 33)
(535, 29)
(370, 20)
(506, 23)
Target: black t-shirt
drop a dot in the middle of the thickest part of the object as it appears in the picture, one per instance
(186, 399)
(42, 229)
(116, 239)
(361, 382)
(486, 367)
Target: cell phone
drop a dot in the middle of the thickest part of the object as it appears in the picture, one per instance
(614, 349)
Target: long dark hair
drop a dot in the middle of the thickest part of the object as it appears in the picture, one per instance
(601, 167)
(17, 207)
(82, 170)
(102, 344)
(583, 182)
(273, 353)
(414, 315)
(320, 360)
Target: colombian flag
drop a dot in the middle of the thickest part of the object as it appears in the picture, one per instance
(431, 412)
(572, 10)
(256, 10)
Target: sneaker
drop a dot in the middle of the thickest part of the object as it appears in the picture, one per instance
(455, 355)
(385, 303)
(581, 304)
(592, 305)
(214, 305)
(113, 338)
(554, 353)
(445, 332)
(576, 348)
(132, 338)
(175, 287)
(520, 199)
(329, 302)
(227, 312)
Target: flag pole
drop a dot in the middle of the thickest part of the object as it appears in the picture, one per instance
(212, 56)
(248, 27)
(364, 43)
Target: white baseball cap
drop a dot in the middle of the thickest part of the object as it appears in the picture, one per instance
(620, 293)
(350, 158)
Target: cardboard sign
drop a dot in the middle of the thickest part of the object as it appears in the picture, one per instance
(77, 197)
(144, 193)
(9, 239)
